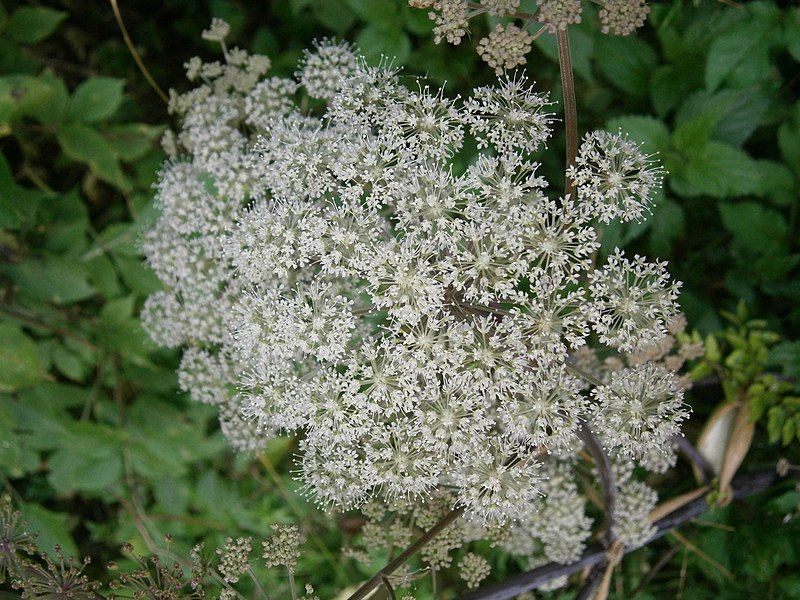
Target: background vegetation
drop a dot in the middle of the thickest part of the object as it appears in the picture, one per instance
(98, 448)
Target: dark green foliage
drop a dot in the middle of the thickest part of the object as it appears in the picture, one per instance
(95, 439)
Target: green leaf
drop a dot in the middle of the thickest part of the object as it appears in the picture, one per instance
(758, 229)
(334, 14)
(651, 133)
(88, 460)
(735, 113)
(379, 12)
(96, 99)
(377, 42)
(31, 24)
(53, 279)
(669, 85)
(792, 32)
(84, 144)
(20, 364)
(733, 47)
(627, 62)
(53, 529)
(132, 141)
(715, 169)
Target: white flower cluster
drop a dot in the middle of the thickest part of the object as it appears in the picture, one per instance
(336, 276)
(510, 41)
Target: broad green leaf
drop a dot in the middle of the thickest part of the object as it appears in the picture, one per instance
(627, 62)
(20, 363)
(334, 14)
(31, 24)
(51, 279)
(733, 47)
(84, 144)
(715, 169)
(651, 133)
(53, 529)
(755, 227)
(132, 141)
(43, 98)
(669, 85)
(377, 42)
(379, 12)
(96, 99)
(736, 113)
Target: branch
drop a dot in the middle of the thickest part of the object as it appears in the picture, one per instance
(697, 459)
(743, 486)
(383, 574)
(132, 49)
(603, 465)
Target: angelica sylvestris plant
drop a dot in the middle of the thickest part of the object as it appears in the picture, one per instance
(423, 331)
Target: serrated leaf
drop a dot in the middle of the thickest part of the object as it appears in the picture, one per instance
(20, 363)
(732, 47)
(96, 99)
(715, 169)
(735, 113)
(31, 24)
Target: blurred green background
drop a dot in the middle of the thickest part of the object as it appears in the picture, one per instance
(97, 447)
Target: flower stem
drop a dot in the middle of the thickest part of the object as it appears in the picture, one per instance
(401, 558)
(570, 107)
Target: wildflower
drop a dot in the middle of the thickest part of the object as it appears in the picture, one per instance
(613, 177)
(473, 569)
(622, 17)
(451, 20)
(633, 301)
(283, 547)
(557, 15)
(639, 411)
(234, 558)
(337, 277)
(505, 47)
(217, 32)
(323, 71)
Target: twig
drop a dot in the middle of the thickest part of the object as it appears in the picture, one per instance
(377, 579)
(697, 459)
(743, 486)
(570, 107)
(135, 54)
(603, 465)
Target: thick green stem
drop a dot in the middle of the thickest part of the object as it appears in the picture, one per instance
(570, 107)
